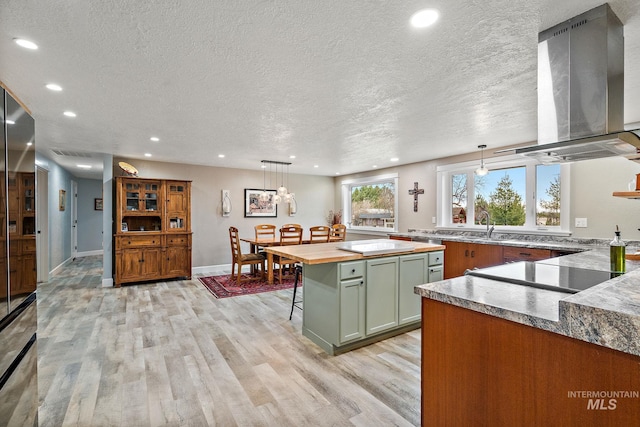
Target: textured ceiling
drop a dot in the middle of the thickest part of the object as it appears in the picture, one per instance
(343, 85)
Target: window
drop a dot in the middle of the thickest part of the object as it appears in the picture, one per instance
(370, 203)
(517, 193)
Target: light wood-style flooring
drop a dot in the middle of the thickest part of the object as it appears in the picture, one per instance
(169, 353)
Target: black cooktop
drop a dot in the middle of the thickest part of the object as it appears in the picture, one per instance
(546, 276)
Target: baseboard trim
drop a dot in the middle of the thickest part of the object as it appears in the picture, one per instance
(59, 267)
(216, 270)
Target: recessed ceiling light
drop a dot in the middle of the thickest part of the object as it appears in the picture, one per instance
(26, 44)
(84, 166)
(292, 157)
(53, 86)
(263, 166)
(10, 122)
(154, 139)
(29, 144)
(221, 156)
(316, 166)
(394, 159)
(337, 173)
(147, 154)
(69, 114)
(374, 166)
(424, 18)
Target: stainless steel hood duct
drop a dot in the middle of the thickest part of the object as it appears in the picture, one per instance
(581, 90)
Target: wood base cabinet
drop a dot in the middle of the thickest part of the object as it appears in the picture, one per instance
(153, 229)
(480, 370)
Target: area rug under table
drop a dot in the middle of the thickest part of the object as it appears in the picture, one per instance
(224, 287)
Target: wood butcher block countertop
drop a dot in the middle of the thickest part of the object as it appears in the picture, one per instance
(322, 253)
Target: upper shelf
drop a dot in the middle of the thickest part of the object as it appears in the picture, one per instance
(627, 194)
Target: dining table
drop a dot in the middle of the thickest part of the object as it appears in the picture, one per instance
(255, 243)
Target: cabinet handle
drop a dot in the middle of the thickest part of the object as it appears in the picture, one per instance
(353, 270)
(466, 252)
(473, 254)
(361, 283)
(525, 254)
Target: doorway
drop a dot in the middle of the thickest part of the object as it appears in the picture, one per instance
(74, 219)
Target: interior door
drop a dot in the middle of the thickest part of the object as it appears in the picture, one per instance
(74, 219)
(42, 223)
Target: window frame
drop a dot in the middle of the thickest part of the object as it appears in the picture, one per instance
(443, 194)
(347, 185)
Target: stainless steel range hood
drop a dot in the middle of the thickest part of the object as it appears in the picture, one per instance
(581, 91)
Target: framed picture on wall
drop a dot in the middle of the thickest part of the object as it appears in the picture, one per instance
(254, 207)
(62, 200)
(97, 204)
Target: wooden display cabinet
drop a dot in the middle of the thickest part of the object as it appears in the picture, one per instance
(152, 239)
(22, 232)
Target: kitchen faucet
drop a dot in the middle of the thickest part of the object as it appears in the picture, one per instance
(489, 230)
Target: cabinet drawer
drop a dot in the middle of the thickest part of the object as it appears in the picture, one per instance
(178, 240)
(436, 258)
(138, 241)
(435, 274)
(511, 253)
(29, 245)
(349, 270)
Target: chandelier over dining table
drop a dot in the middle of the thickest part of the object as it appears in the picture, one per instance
(282, 193)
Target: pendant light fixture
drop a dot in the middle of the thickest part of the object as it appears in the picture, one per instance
(282, 194)
(482, 170)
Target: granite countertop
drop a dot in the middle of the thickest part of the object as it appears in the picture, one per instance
(607, 314)
(569, 244)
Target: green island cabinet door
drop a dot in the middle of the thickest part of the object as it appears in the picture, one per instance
(352, 301)
(381, 294)
(414, 270)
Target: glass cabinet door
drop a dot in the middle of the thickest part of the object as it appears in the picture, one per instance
(151, 196)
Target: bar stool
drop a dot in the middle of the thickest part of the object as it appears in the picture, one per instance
(296, 302)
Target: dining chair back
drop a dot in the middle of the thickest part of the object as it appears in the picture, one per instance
(240, 259)
(338, 233)
(319, 234)
(291, 225)
(265, 231)
(288, 236)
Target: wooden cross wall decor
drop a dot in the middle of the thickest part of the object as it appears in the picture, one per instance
(415, 192)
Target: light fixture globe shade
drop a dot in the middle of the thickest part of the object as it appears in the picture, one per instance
(264, 196)
(277, 199)
(282, 191)
(288, 197)
(482, 171)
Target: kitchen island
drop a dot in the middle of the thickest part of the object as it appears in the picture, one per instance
(352, 299)
(496, 353)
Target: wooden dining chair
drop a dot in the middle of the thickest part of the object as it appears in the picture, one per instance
(288, 236)
(265, 231)
(319, 234)
(338, 233)
(240, 259)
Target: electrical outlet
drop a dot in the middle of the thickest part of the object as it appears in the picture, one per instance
(581, 222)
(433, 219)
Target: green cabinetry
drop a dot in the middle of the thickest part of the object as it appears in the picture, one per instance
(350, 304)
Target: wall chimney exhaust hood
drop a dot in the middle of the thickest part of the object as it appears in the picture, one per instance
(581, 91)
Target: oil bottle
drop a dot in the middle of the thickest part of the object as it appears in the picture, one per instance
(617, 249)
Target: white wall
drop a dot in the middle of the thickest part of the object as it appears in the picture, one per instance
(210, 229)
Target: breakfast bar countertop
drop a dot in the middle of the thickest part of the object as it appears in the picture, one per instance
(607, 314)
(331, 252)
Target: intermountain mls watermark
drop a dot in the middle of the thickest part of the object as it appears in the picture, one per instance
(603, 400)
